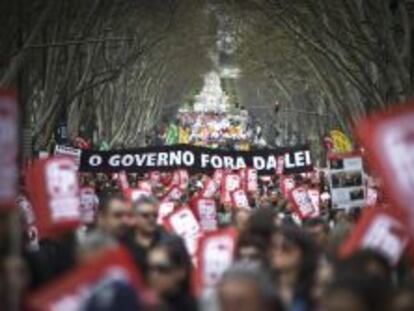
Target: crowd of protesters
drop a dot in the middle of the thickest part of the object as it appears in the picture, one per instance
(280, 263)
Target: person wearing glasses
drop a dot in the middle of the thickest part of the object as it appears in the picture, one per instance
(169, 275)
(113, 215)
(145, 233)
(293, 258)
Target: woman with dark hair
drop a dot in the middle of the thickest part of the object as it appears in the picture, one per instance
(293, 259)
(169, 275)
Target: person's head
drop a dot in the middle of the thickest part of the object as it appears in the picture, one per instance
(365, 262)
(113, 215)
(94, 244)
(318, 230)
(244, 287)
(250, 248)
(403, 298)
(357, 294)
(241, 218)
(145, 212)
(261, 223)
(169, 267)
(293, 252)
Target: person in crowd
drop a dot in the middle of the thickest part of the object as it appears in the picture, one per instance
(245, 287)
(113, 215)
(403, 298)
(240, 218)
(53, 257)
(293, 258)
(169, 274)
(251, 248)
(357, 293)
(318, 230)
(112, 292)
(145, 232)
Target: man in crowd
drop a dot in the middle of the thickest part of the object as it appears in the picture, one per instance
(113, 215)
(145, 232)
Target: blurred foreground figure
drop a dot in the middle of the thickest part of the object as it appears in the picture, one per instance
(145, 232)
(113, 215)
(245, 287)
(169, 274)
(294, 259)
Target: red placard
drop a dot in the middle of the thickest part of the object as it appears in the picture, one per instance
(280, 165)
(164, 209)
(205, 211)
(252, 185)
(8, 148)
(302, 203)
(389, 141)
(239, 199)
(174, 193)
(183, 223)
(215, 254)
(73, 290)
(287, 184)
(54, 192)
(231, 182)
(88, 204)
(210, 188)
(381, 229)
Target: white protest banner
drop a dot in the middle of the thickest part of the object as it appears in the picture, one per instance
(347, 181)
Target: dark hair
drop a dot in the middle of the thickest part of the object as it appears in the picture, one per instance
(310, 256)
(247, 239)
(262, 223)
(372, 292)
(359, 264)
(105, 200)
(255, 273)
(313, 222)
(178, 255)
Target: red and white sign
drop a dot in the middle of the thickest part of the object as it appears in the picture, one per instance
(174, 193)
(8, 148)
(183, 223)
(302, 203)
(315, 196)
(287, 184)
(239, 199)
(134, 194)
(88, 204)
(252, 185)
(205, 211)
(215, 254)
(183, 178)
(164, 209)
(218, 176)
(123, 181)
(280, 165)
(384, 230)
(54, 192)
(145, 185)
(231, 182)
(210, 188)
(73, 290)
(388, 138)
